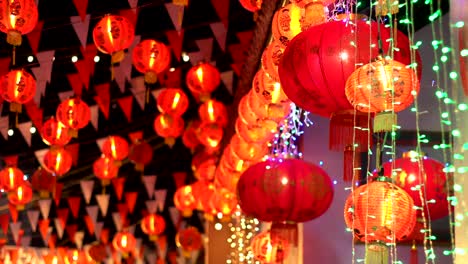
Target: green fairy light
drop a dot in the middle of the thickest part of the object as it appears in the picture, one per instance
(462, 170)
(434, 16)
(446, 50)
(456, 133)
(457, 187)
(444, 115)
(435, 67)
(460, 251)
(462, 107)
(459, 24)
(460, 217)
(453, 75)
(464, 52)
(448, 101)
(443, 58)
(439, 94)
(405, 21)
(458, 156)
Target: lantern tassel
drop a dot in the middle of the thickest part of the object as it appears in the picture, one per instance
(342, 126)
(351, 160)
(376, 254)
(384, 121)
(414, 254)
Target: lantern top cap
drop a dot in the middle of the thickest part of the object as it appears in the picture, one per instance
(351, 17)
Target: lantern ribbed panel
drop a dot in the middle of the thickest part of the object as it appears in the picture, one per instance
(203, 79)
(384, 209)
(267, 250)
(189, 239)
(11, 178)
(286, 23)
(115, 147)
(251, 5)
(18, 86)
(267, 90)
(153, 224)
(58, 161)
(105, 168)
(54, 133)
(113, 33)
(271, 58)
(151, 55)
(73, 113)
(247, 150)
(184, 200)
(213, 111)
(172, 101)
(168, 126)
(141, 153)
(382, 86)
(20, 15)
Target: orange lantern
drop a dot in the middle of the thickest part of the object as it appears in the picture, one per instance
(224, 201)
(43, 182)
(124, 242)
(58, 161)
(115, 147)
(169, 127)
(172, 101)
(75, 256)
(204, 166)
(74, 114)
(189, 138)
(267, 250)
(151, 57)
(268, 90)
(383, 87)
(54, 133)
(11, 178)
(271, 58)
(17, 18)
(202, 191)
(105, 169)
(18, 87)
(276, 112)
(153, 225)
(232, 161)
(286, 23)
(112, 35)
(210, 135)
(189, 240)
(21, 195)
(226, 178)
(393, 216)
(250, 117)
(203, 79)
(184, 200)
(213, 111)
(251, 5)
(314, 11)
(248, 151)
(52, 259)
(141, 153)
(253, 133)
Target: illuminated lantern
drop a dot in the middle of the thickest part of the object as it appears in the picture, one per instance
(169, 127)
(43, 182)
(226, 178)
(124, 242)
(112, 35)
(267, 250)
(74, 114)
(251, 5)
(105, 169)
(18, 87)
(75, 256)
(248, 151)
(204, 166)
(54, 133)
(184, 200)
(384, 7)
(97, 252)
(141, 153)
(172, 101)
(52, 259)
(250, 117)
(253, 133)
(383, 87)
(202, 191)
(153, 225)
(292, 190)
(286, 23)
(151, 57)
(58, 161)
(213, 111)
(224, 201)
(393, 217)
(21, 195)
(189, 240)
(271, 58)
(431, 176)
(268, 111)
(11, 178)
(314, 11)
(202, 80)
(232, 161)
(268, 90)
(115, 147)
(210, 135)
(189, 138)
(18, 17)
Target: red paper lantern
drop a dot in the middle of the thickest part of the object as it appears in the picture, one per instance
(74, 114)
(286, 23)
(190, 138)
(213, 111)
(97, 252)
(249, 116)
(251, 5)
(189, 240)
(248, 151)
(113, 34)
(172, 101)
(267, 90)
(184, 200)
(151, 57)
(271, 58)
(268, 111)
(226, 178)
(115, 147)
(141, 153)
(224, 201)
(58, 161)
(21, 195)
(202, 192)
(17, 18)
(43, 182)
(52, 258)
(153, 225)
(54, 133)
(317, 63)
(210, 135)
(124, 242)
(11, 178)
(267, 250)
(204, 166)
(18, 87)
(169, 127)
(105, 169)
(233, 162)
(203, 79)
(291, 190)
(431, 176)
(75, 256)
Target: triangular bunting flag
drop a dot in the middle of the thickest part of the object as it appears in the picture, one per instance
(40, 155)
(119, 76)
(175, 216)
(131, 229)
(123, 211)
(103, 203)
(79, 236)
(44, 229)
(139, 90)
(44, 206)
(152, 206)
(222, 9)
(100, 142)
(118, 184)
(74, 205)
(4, 220)
(46, 59)
(65, 95)
(26, 241)
(25, 129)
(130, 200)
(220, 33)
(98, 228)
(71, 231)
(160, 198)
(126, 104)
(59, 227)
(206, 47)
(179, 178)
(4, 127)
(133, 4)
(89, 224)
(74, 150)
(103, 98)
(87, 189)
(13, 212)
(196, 57)
(162, 246)
(117, 221)
(35, 114)
(75, 82)
(176, 13)
(151, 258)
(131, 14)
(58, 193)
(33, 217)
(228, 78)
(105, 235)
(62, 215)
(94, 109)
(81, 26)
(15, 230)
(150, 184)
(81, 6)
(176, 40)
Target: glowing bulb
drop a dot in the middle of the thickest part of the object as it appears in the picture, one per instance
(344, 55)
(97, 58)
(74, 59)
(32, 130)
(11, 132)
(411, 178)
(172, 69)
(218, 226)
(30, 58)
(185, 57)
(284, 180)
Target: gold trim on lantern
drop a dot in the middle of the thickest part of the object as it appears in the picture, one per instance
(15, 107)
(14, 38)
(151, 77)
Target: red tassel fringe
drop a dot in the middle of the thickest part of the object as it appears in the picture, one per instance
(348, 167)
(414, 255)
(341, 131)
